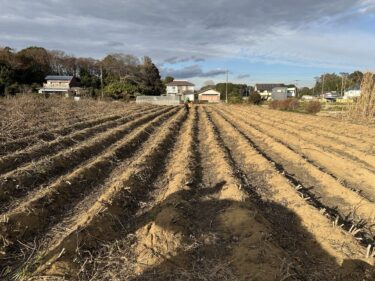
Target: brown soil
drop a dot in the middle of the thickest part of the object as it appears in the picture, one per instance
(220, 193)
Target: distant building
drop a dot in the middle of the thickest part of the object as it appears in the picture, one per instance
(292, 92)
(56, 84)
(265, 90)
(308, 97)
(353, 92)
(279, 93)
(330, 96)
(209, 95)
(183, 89)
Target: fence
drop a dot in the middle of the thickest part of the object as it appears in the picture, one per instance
(159, 100)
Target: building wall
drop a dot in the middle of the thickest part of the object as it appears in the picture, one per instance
(189, 96)
(159, 100)
(265, 94)
(280, 93)
(179, 89)
(172, 90)
(352, 93)
(292, 92)
(57, 84)
(209, 98)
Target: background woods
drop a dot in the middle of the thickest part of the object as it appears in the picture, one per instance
(123, 75)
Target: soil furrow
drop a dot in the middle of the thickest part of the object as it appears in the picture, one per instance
(357, 143)
(104, 219)
(245, 232)
(34, 153)
(324, 124)
(334, 146)
(317, 230)
(52, 130)
(356, 177)
(7, 148)
(166, 225)
(36, 214)
(256, 130)
(341, 205)
(16, 184)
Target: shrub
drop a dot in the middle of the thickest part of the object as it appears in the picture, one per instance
(288, 104)
(284, 104)
(313, 107)
(234, 97)
(274, 104)
(293, 104)
(255, 98)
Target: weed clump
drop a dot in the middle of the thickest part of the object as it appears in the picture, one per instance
(313, 107)
(255, 98)
(364, 109)
(286, 105)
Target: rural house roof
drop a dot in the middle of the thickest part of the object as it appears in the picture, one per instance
(180, 83)
(267, 87)
(209, 92)
(58, 77)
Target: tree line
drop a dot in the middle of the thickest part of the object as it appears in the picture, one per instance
(122, 75)
(332, 82)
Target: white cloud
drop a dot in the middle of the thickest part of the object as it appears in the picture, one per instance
(300, 32)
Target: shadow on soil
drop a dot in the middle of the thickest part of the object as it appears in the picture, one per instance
(207, 251)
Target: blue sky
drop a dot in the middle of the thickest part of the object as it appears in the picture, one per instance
(198, 40)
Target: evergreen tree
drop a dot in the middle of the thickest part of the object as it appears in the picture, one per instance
(150, 80)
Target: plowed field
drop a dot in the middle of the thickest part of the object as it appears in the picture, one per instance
(219, 193)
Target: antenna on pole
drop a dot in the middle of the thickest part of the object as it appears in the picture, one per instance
(226, 90)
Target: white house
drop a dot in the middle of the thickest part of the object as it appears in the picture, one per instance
(353, 92)
(292, 92)
(210, 96)
(265, 90)
(56, 84)
(184, 89)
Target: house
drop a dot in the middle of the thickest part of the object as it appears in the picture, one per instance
(330, 96)
(353, 92)
(209, 95)
(183, 89)
(279, 93)
(308, 97)
(265, 90)
(56, 84)
(292, 92)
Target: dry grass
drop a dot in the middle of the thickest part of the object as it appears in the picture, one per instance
(117, 262)
(27, 114)
(364, 110)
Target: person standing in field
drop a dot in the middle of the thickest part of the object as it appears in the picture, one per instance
(187, 106)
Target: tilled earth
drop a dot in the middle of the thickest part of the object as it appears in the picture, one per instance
(219, 193)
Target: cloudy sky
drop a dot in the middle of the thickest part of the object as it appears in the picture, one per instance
(197, 40)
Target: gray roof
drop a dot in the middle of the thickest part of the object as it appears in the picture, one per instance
(58, 77)
(180, 83)
(267, 87)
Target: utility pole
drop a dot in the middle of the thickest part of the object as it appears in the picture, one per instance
(324, 75)
(343, 77)
(296, 87)
(101, 80)
(226, 90)
(316, 81)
